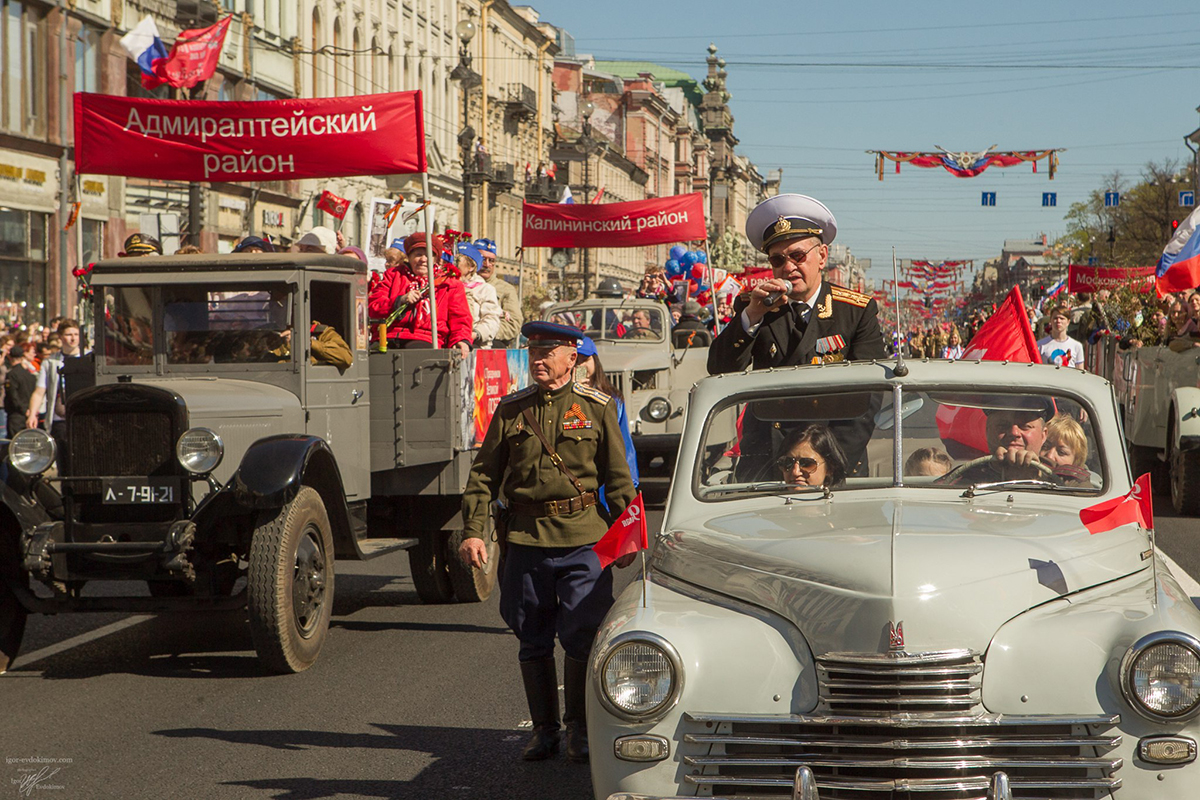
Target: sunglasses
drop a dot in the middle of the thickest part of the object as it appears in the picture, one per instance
(797, 257)
(807, 465)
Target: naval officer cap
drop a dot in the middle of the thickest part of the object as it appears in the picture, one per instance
(550, 334)
(789, 216)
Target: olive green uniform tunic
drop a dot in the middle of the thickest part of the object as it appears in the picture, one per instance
(581, 424)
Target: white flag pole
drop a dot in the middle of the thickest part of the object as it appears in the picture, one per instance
(432, 259)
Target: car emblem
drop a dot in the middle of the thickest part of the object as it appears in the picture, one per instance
(895, 636)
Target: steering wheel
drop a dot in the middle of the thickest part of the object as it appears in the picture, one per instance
(951, 477)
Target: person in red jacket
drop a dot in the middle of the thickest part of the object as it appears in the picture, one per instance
(405, 286)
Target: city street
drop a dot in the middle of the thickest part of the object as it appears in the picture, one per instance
(406, 701)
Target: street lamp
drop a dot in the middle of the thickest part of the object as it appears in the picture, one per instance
(467, 78)
(588, 145)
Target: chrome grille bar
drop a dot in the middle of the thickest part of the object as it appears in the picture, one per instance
(915, 785)
(925, 762)
(981, 743)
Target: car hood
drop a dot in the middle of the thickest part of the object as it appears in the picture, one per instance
(619, 357)
(950, 571)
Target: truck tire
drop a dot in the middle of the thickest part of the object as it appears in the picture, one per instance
(474, 585)
(12, 626)
(290, 584)
(1145, 459)
(427, 561)
(1185, 480)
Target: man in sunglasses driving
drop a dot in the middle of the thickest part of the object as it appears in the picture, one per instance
(796, 317)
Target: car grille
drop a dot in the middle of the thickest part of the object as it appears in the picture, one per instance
(118, 443)
(901, 728)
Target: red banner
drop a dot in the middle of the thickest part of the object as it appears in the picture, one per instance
(194, 55)
(333, 205)
(1093, 279)
(194, 140)
(662, 220)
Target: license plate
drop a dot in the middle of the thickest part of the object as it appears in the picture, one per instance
(139, 491)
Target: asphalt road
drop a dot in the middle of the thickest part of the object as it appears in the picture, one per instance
(406, 701)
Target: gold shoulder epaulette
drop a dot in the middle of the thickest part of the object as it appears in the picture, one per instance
(595, 394)
(517, 395)
(844, 295)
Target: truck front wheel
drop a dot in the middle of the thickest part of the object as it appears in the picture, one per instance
(427, 560)
(290, 584)
(1185, 480)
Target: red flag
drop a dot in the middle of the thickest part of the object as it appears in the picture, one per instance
(1137, 506)
(333, 205)
(627, 534)
(194, 56)
(1006, 336)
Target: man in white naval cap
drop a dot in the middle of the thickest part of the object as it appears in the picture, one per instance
(810, 321)
(797, 318)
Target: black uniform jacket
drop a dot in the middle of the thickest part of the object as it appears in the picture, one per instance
(843, 326)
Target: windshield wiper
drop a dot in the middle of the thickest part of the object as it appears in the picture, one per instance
(766, 486)
(1019, 483)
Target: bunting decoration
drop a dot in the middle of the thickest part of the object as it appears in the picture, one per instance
(967, 164)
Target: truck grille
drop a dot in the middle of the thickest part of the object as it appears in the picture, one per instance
(901, 727)
(122, 443)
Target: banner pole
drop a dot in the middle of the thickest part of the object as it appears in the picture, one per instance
(432, 258)
(643, 555)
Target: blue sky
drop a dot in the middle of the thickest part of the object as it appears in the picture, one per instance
(815, 85)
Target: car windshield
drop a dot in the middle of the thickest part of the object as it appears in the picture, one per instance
(614, 323)
(805, 442)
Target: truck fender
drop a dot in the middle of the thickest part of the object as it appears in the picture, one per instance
(273, 470)
(1185, 417)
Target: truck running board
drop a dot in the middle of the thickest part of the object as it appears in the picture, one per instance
(372, 548)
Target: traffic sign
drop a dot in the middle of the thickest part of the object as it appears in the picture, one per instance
(1187, 199)
(988, 199)
(1049, 198)
(1112, 199)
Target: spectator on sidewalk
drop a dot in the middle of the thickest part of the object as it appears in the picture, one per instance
(19, 386)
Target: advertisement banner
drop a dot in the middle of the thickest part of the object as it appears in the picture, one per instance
(494, 374)
(751, 278)
(1082, 278)
(662, 220)
(272, 140)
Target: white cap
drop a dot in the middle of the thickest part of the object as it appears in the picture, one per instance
(322, 237)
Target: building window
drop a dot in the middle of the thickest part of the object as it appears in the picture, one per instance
(22, 106)
(134, 88)
(338, 76)
(264, 94)
(87, 48)
(22, 266)
(356, 62)
(92, 231)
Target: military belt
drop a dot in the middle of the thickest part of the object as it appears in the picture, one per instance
(553, 508)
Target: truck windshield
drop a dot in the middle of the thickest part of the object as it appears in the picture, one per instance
(614, 323)
(949, 440)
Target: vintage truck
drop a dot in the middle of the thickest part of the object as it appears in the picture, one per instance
(652, 366)
(1158, 389)
(215, 460)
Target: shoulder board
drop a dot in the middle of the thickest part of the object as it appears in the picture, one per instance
(595, 394)
(844, 295)
(526, 392)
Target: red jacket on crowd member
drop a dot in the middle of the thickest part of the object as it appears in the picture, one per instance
(453, 313)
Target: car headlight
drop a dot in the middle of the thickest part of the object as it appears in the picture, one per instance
(1160, 676)
(640, 676)
(31, 451)
(658, 409)
(199, 451)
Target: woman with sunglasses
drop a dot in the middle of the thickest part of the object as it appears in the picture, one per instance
(811, 456)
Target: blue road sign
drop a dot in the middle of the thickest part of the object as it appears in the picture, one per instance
(988, 199)
(1187, 199)
(1049, 198)
(1112, 199)
(1093, 261)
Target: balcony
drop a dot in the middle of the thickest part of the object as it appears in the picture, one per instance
(520, 101)
(503, 178)
(479, 168)
(543, 190)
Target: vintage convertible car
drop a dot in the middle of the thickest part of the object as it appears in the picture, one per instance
(925, 620)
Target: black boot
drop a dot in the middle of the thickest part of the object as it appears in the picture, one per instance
(541, 690)
(575, 704)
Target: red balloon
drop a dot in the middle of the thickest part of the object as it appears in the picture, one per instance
(698, 271)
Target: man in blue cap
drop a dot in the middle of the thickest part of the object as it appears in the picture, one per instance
(510, 323)
(548, 450)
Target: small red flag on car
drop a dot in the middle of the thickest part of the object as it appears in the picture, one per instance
(1136, 506)
(333, 205)
(627, 534)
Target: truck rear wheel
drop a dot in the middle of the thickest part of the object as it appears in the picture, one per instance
(12, 626)
(1145, 459)
(290, 584)
(474, 585)
(1185, 480)
(427, 560)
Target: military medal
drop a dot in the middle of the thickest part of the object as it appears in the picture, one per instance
(575, 419)
(830, 344)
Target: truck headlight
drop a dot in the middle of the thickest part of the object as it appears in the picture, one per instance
(658, 409)
(1160, 676)
(640, 676)
(199, 451)
(31, 451)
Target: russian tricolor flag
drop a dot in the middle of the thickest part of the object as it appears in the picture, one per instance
(147, 49)
(1179, 266)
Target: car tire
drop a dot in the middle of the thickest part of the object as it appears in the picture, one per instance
(290, 584)
(1185, 480)
(1145, 459)
(474, 585)
(427, 560)
(12, 626)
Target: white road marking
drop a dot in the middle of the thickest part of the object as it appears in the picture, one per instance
(75, 641)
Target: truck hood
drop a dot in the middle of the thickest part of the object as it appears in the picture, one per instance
(952, 571)
(224, 398)
(627, 356)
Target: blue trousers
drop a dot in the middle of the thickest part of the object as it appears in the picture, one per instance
(554, 591)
